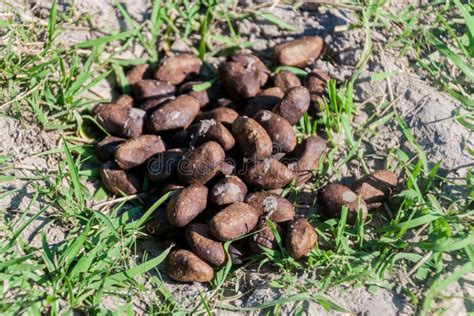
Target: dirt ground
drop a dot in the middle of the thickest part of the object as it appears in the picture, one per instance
(427, 111)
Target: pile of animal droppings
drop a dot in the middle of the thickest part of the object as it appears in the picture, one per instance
(227, 148)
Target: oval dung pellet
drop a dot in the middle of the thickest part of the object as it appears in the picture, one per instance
(202, 244)
(184, 266)
(225, 115)
(334, 196)
(300, 238)
(137, 73)
(234, 221)
(176, 69)
(238, 81)
(286, 80)
(252, 138)
(176, 114)
(376, 188)
(271, 205)
(163, 165)
(267, 174)
(249, 61)
(118, 181)
(201, 164)
(229, 189)
(134, 152)
(123, 121)
(206, 96)
(265, 100)
(264, 238)
(279, 129)
(105, 149)
(299, 52)
(304, 159)
(210, 130)
(186, 205)
(294, 104)
(149, 88)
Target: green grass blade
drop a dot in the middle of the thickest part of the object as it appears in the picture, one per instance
(204, 26)
(94, 81)
(411, 139)
(221, 275)
(122, 78)
(52, 22)
(293, 298)
(329, 305)
(40, 115)
(455, 58)
(156, 18)
(441, 284)
(108, 223)
(469, 103)
(25, 225)
(446, 246)
(107, 39)
(83, 264)
(366, 51)
(296, 71)
(341, 226)
(277, 21)
(432, 176)
(205, 303)
(47, 254)
(16, 261)
(419, 221)
(137, 224)
(137, 270)
(469, 20)
(76, 246)
(205, 85)
(73, 174)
